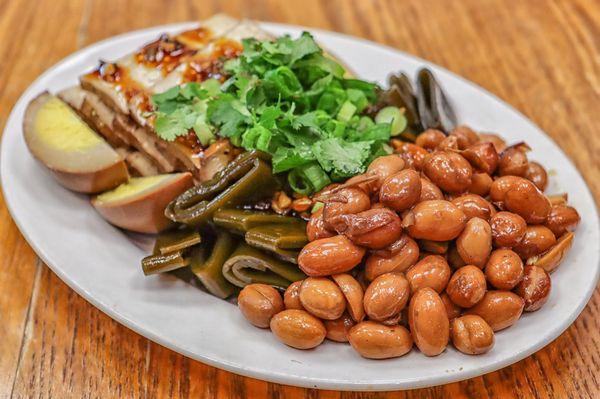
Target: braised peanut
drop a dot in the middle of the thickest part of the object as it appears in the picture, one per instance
(397, 257)
(315, 228)
(454, 259)
(452, 309)
(412, 154)
(448, 170)
(465, 136)
(368, 183)
(482, 157)
(353, 292)
(291, 296)
(338, 329)
(474, 205)
(467, 286)
(436, 220)
(298, 329)
(428, 322)
(434, 247)
(481, 183)
(402, 190)
(344, 202)
(500, 187)
(471, 335)
(537, 174)
(561, 219)
(384, 167)
(528, 201)
(377, 341)
(534, 288)
(500, 309)
(429, 191)
(537, 239)
(449, 143)
(474, 243)
(432, 271)
(513, 161)
(430, 139)
(507, 229)
(322, 298)
(386, 296)
(496, 140)
(552, 258)
(375, 228)
(328, 256)
(504, 269)
(259, 303)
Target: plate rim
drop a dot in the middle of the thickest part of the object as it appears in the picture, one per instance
(296, 380)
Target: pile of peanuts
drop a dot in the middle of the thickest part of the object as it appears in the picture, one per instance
(449, 239)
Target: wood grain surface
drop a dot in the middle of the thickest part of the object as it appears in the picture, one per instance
(543, 57)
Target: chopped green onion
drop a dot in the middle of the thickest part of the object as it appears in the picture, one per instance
(394, 116)
(346, 112)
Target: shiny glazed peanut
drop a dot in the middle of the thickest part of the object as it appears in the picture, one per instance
(481, 183)
(432, 271)
(375, 228)
(448, 170)
(377, 341)
(534, 288)
(338, 329)
(471, 335)
(474, 243)
(500, 309)
(353, 292)
(453, 257)
(434, 247)
(322, 298)
(500, 187)
(412, 154)
(513, 161)
(562, 219)
(315, 228)
(465, 136)
(436, 220)
(291, 296)
(482, 156)
(430, 139)
(259, 303)
(537, 239)
(537, 174)
(474, 205)
(508, 229)
(344, 202)
(328, 256)
(386, 296)
(467, 286)
(496, 140)
(298, 329)
(384, 167)
(526, 200)
(401, 190)
(429, 191)
(428, 322)
(504, 269)
(452, 309)
(397, 257)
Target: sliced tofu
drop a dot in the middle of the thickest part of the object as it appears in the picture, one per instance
(116, 83)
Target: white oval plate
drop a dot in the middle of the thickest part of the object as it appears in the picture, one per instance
(103, 265)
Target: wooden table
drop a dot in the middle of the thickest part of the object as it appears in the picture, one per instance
(540, 56)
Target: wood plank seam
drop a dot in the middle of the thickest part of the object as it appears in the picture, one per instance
(27, 330)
